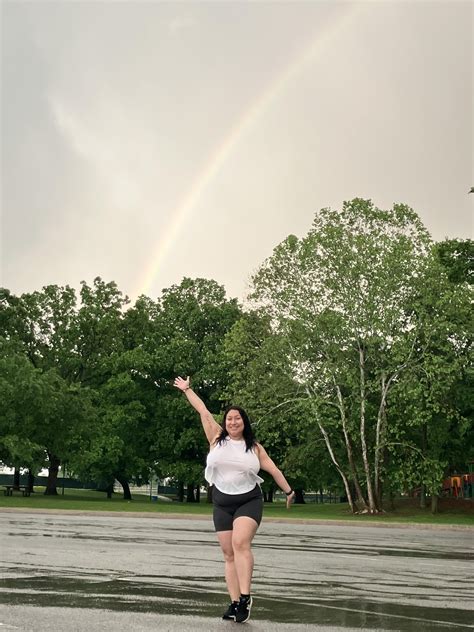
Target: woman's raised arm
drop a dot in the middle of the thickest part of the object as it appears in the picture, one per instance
(209, 424)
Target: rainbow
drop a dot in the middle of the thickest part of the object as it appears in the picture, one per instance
(218, 157)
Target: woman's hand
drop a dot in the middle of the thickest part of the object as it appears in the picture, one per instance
(181, 384)
(290, 499)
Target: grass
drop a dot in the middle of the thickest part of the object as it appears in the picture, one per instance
(451, 511)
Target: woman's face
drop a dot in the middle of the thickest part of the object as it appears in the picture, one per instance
(234, 424)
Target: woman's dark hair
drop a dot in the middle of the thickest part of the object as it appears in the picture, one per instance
(248, 432)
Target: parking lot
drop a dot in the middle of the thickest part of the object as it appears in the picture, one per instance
(65, 571)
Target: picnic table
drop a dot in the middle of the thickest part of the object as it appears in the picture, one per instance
(8, 491)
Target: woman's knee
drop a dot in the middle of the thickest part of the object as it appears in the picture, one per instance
(241, 543)
(225, 541)
(228, 554)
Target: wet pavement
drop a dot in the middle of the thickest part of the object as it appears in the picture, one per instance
(64, 572)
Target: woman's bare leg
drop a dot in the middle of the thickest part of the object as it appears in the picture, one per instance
(232, 581)
(244, 529)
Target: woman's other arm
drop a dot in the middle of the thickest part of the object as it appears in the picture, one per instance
(269, 466)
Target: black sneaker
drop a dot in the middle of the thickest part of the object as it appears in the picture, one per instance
(229, 614)
(243, 610)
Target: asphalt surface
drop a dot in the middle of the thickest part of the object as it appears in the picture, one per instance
(64, 572)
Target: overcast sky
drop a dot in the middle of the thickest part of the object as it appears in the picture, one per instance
(147, 141)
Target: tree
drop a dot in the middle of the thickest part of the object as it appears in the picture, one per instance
(110, 343)
(21, 394)
(118, 446)
(338, 296)
(191, 322)
(41, 417)
(434, 395)
(76, 349)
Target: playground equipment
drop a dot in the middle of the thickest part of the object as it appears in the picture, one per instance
(458, 485)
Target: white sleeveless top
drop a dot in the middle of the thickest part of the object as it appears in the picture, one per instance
(231, 469)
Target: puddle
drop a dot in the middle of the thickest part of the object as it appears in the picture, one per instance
(159, 597)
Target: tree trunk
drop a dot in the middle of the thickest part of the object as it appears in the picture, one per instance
(365, 458)
(379, 494)
(434, 503)
(422, 497)
(380, 441)
(126, 487)
(268, 496)
(190, 497)
(181, 492)
(53, 469)
(31, 481)
(16, 478)
(338, 467)
(424, 446)
(334, 460)
(209, 494)
(299, 497)
(350, 455)
(110, 489)
(198, 494)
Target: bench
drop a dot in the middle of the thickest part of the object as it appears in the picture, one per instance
(8, 491)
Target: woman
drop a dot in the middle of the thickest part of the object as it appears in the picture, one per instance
(233, 463)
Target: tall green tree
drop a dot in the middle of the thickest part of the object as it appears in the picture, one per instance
(109, 343)
(42, 323)
(74, 346)
(338, 296)
(42, 416)
(189, 330)
(118, 447)
(21, 394)
(435, 394)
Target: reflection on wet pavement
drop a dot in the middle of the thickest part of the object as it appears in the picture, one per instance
(345, 576)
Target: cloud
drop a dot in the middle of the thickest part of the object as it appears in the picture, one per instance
(95, 135)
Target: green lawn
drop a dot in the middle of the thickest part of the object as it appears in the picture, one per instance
(460, 512)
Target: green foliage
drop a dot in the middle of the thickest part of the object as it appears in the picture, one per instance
(343, 299)
(457, 257)
(356, 359)
(259, 378)
(191, 322)
(41, 413)
(434, 396)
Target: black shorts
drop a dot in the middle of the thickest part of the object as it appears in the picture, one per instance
(228, 507)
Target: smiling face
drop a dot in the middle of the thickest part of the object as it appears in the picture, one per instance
(234, 424)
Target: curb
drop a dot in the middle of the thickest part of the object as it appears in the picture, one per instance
(182, 516)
